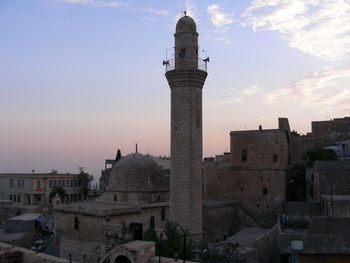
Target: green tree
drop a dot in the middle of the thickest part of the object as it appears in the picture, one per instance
(171, 241)
(322, 155)
(57, 190)
(118, 156)
(85, 180)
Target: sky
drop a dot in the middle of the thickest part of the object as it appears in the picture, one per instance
(81, 78)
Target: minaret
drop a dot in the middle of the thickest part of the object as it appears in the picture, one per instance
(186, 82)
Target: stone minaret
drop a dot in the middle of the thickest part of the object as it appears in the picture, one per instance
(186, 83)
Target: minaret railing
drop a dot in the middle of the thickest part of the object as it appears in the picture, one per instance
(170, 64)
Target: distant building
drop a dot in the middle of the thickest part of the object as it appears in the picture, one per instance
(35, 188)
(109, 163)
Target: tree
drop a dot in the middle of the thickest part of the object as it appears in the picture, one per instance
(57, 190)
(171, 241)
(118, 156)
(85, 180)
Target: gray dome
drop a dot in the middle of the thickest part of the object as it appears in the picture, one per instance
(135, 173)
(186, 24)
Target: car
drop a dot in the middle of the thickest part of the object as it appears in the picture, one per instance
(38, 245)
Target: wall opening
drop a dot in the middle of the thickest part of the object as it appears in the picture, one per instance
(122, 259)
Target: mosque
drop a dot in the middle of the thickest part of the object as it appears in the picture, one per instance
(138, 195)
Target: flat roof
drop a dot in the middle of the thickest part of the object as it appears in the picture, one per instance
(39, 175)
(336, 197)
(26, 217)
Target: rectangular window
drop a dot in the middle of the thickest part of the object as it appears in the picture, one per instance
(54, 182)
(63, 183)
(75, 183)
(264, 191)
(244, 155)
(50, 183)
(59, 182)
(67, 183)
(38, 184)
(11, 197)
(275, 158)
(11, 182)
(15, 198)
(71, 183)
(162, 214)
(19, 183)
(19, 199)
(22, 183)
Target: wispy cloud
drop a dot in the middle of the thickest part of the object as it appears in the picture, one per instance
(191, 10)
(97, 3)
(252, 90)
(239, 97)
(154, 11)
(317, 88)
(320, 28)
(219, 18)
(115, 4)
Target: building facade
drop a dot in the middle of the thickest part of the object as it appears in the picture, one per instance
(35, 188)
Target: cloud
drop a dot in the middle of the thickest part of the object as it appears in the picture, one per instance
(117, 4)
(154, 11)
(218, 17)
(322, 87)
(320, 28)
(224, 40)
(191, 10)
(252, 90)
(96, 3)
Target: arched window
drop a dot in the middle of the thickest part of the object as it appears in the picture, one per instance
(151, 224)
(76, 223)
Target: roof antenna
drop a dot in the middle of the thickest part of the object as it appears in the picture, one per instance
(136, 148)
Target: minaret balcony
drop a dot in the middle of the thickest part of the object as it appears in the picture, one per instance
(170, 64)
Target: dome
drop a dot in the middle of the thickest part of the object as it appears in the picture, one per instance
(135, 173)
(186, 24)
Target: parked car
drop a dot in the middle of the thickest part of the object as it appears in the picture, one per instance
(38, 245)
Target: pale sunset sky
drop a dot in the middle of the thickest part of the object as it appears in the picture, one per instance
(81, 78)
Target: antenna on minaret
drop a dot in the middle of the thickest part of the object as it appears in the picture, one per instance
(136, 148)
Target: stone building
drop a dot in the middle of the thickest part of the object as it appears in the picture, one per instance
(186, 79)
(35, 188)
(249, 182)
(136, 197)
(255, 170)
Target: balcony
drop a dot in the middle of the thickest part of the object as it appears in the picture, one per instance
(170, 64)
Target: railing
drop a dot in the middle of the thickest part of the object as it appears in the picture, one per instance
(170, 64)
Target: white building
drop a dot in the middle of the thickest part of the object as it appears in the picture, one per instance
(35, 188)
